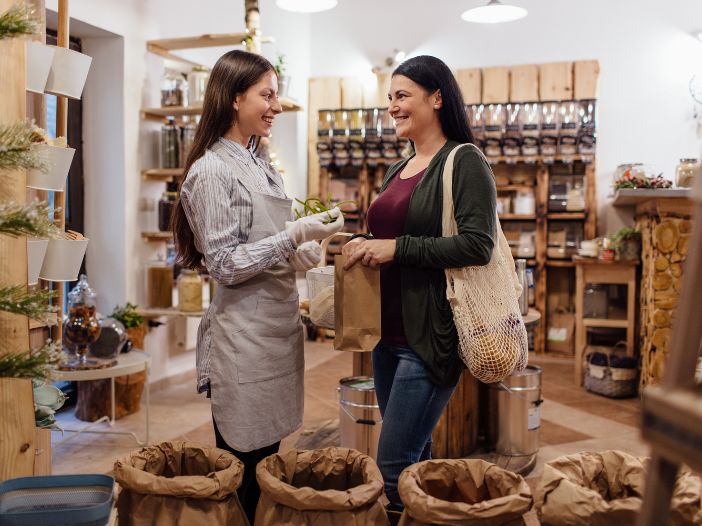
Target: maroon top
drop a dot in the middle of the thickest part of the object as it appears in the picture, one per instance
(386, 220)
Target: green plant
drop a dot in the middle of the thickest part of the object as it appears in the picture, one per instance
(314, 205)
(27, 220)
(32, 364)
(16, 140)
(19, 20)
(626, 233)
(128, 316)
(280, 66)
(34, 303)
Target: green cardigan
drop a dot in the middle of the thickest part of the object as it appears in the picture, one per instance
(423, 254)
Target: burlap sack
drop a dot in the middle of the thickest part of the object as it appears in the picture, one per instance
(606, 488)
(356, 307)
(457, 492)
(179, 484)
(331, 486)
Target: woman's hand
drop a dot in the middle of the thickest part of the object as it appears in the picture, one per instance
(350, 246)
(371, 253)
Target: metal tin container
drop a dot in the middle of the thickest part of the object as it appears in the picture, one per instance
(515, 415)
(360, 421)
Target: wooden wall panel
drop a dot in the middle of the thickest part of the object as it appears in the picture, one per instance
(351, 93)
(17, 437)
(470, 82)
(381, 100)
(586, 74)
(556, 81)
(42, 461)
(324, 93)
(495, 85)
(524, 83)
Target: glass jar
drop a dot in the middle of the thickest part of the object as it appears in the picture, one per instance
(159, 284)
(189, 291)
(186, 141)
(81, 327)
(685, 172)
(172, 85)
(197, 84)
(169, 145)
(165, 210)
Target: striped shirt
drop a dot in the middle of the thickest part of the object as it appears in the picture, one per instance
(220, 213)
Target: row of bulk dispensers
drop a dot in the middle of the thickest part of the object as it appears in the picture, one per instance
(504, 132)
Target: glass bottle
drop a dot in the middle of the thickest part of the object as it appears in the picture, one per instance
(169, 144)
(197, 84)
(186, 141)
(81, 328)
(189, 291)
(685, 172)
(159, 284)
(522, 277)
(165, 209)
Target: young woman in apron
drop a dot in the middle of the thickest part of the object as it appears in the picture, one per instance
(234, 220)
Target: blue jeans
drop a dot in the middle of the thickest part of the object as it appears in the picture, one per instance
(411, 406)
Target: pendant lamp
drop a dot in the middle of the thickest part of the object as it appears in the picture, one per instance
(494, 13)
(306, 6)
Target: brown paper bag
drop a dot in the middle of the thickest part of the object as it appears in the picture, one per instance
(356, 307)
(560, 336)
(462, 491)
(179, 484)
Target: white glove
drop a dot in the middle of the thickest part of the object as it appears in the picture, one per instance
(307, 256)
(312, 227)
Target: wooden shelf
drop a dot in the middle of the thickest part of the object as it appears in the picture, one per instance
(156, 236)
(515, 188)
(606, 322)
(157, 313)
(563, 263)
(520, 159)
(635, 196)
(517, 217)
(162, 174)
(566, 216)
(158, 114)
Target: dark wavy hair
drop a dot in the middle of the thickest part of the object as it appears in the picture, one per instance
(234, 73)
(432, 74)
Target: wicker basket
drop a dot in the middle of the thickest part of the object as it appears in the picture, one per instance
(613, 382)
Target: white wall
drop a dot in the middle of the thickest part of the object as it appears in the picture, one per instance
(646, 52)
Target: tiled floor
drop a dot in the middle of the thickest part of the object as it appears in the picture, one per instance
(572, 419)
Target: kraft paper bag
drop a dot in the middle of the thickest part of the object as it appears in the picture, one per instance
(356, 307)
(179, 484)
(462, 492)
(606, 488)
(331, 486)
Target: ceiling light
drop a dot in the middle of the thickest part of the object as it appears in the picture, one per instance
(493, 13)
(400, 55)
(306, 6)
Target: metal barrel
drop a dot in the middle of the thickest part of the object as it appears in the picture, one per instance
(359, 415)
(516, 419)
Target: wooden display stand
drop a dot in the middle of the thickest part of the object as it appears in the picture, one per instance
(595, 271)
(542, 82)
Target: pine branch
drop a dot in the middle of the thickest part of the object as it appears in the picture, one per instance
(34, 304)
(27, 220)
(19, 20)
(32, 364)
(15, 146)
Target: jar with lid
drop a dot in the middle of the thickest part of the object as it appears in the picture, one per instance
(81, 328)
(165, 209)
(172, 89)
(159, 283)
(189, 291)
(197, 83)
(686, 171)
(169, 144)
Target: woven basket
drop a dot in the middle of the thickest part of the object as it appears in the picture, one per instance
(613, 382)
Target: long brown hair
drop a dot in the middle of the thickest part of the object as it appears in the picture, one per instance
(234, 73)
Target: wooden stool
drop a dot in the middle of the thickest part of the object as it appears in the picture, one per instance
(596, 271)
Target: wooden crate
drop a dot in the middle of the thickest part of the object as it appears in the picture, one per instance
(495, 85)
(470, 82)
(586, 74)
(556, 81)
(524, 83)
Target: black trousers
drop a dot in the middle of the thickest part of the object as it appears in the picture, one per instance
(248, 492)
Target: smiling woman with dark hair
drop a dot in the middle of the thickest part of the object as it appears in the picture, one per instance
(416, 365)
(234, 219)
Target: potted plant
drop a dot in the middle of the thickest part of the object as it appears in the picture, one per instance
(283, 79)
(129, 316)
(627, 242)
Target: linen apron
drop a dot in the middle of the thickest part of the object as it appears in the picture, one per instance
(257, 356)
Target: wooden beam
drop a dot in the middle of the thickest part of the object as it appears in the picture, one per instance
(556, 81)
(495, 85)
(470, 82)
(586, 74)
(17, 437)
(524, 83)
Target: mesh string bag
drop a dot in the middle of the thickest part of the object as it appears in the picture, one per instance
(484, 299)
